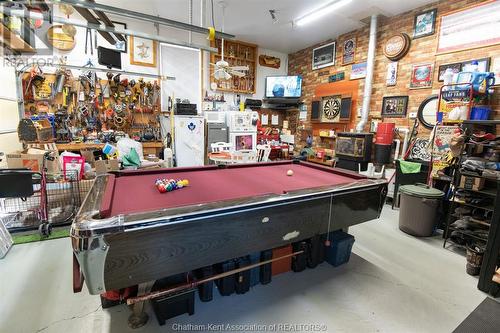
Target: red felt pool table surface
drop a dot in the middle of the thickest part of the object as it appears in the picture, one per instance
(134, 192)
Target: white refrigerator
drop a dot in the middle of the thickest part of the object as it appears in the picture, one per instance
(189, 140)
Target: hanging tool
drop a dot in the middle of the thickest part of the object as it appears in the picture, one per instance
(88, 39)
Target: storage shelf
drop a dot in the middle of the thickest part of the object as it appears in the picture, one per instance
(467, 174)
(234, 58)
(489, 207)
(468, 233)
(485, 224)
(488, 191)
(482, 122)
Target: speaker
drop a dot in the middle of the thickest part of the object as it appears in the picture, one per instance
(345, 108)
(315, 110)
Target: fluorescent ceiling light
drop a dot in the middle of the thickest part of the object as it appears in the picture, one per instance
(320, 12)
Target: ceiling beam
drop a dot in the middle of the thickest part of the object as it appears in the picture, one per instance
(142, 16)
(102, 27)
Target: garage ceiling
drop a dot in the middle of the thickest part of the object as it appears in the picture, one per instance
(250, 20)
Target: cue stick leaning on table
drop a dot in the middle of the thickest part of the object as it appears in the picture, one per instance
(164, 292)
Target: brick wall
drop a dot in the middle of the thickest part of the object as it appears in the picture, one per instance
(422, 50)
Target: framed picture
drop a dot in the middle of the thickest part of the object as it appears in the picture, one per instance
(349, 49)
(483, 65)
(143, 51)
(392, 74)
(394, 106)
(324, 56)
(358, 71)
(457, 33)
(425, 24)
(331, 107)
(421, 76)
(456, 67)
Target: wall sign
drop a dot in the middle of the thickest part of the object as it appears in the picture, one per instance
(348, 51)
(331, 109)
(421, 76)
(358, 71)
(323, 56)
(392, 74)
(424, 24)
(269, 61)
(470, 28)
(336, 77)
(397, 46)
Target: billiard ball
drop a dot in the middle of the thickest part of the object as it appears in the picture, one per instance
(161, 188)
(289, 173)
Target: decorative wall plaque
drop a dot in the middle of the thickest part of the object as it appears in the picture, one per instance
(397, 46)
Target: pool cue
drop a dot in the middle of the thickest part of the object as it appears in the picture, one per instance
(164, 292)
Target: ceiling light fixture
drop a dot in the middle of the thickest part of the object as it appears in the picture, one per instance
(321, 11)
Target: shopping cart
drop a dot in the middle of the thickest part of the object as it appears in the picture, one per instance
(37, 200)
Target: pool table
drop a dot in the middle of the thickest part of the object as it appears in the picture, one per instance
(128, 233)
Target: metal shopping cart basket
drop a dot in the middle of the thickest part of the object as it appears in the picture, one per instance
(28, 203)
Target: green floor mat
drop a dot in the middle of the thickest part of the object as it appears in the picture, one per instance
(21, 239)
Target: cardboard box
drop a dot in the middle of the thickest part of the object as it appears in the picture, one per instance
(472, 183)
(32, 161)
(105, 166)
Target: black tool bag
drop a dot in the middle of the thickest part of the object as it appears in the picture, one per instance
(299, 261)
(266, 270)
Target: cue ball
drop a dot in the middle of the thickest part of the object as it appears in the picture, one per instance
(289, 173)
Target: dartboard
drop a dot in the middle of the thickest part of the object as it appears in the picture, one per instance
(331, 108)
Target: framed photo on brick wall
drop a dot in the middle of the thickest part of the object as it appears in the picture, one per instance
(394, 106)
(324, 56)
(425, 24)
(421, 76)
(456, 67)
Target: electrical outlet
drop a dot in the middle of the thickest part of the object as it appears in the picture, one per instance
(413, 115)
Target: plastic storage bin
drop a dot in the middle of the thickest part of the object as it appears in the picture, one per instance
(480, 113)
(339, 251)
(418, 209)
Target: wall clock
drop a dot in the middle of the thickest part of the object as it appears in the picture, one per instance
(331, 109)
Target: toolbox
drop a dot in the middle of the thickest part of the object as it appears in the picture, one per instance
(339, 251)
(299, 262)
(173, 305)
(282, 265)
(265, 275)
(254, 272)
(226, 285)
(205, 290)
(242, 279)
(315, 255)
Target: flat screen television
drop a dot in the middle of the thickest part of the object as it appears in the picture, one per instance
(109, 58)
(283, 86)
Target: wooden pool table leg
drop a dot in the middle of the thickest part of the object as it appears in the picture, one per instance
(138, 317)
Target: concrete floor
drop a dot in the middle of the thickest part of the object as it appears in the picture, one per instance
(393, 283)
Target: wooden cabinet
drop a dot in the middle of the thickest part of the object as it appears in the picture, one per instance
(236, 53)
